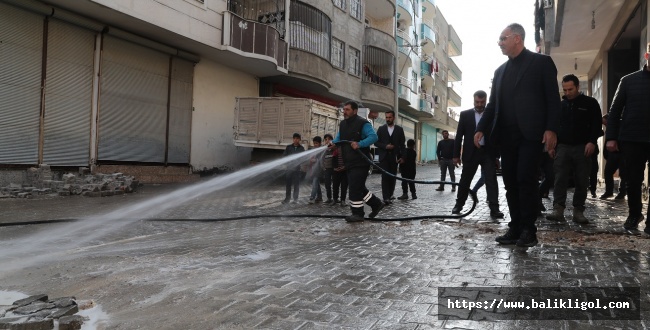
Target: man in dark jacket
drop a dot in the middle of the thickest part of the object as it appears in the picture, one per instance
(472, 157)
(292, 177)
(580, 128)
(390, 148)
(445, 152)
(357, 134)
(408, 169)
(522, 114)
(628, 129)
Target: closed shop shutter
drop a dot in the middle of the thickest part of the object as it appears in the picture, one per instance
(133, 102)
(180, 111)
(409, 128)
(21, 47)
(68, 94)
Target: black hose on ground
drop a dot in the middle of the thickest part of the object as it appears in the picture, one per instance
(276, 215)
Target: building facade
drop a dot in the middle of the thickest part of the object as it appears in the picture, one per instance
(152, 83)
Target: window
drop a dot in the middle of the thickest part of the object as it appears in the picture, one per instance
(338, 53)
(339, 3)
(378, 66)
(310, 29)
(355, 9)
(355, 62)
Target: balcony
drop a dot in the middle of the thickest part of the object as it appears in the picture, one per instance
(454, 72)
(380, 39)
(405, 11)
(428, 9)
(455, 46)
(453, 98)
(381, 9)
(254, 40)
(429, 38)
(427, 74)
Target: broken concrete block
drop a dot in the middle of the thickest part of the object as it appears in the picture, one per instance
(30, 299)
(70, 310)
(33, 308)
(71, 322)
(63, 302)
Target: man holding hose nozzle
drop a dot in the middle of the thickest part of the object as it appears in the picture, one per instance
(361, 135)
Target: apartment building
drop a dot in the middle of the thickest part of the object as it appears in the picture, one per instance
(152, 83)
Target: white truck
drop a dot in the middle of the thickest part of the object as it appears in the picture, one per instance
(267, 124)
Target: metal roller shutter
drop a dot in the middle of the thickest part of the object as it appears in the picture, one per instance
(68, 94)
(133, 102)
(21, 47)
(180, 111)
(409, 128)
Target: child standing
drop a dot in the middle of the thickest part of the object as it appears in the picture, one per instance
(315, 172)
(328, 170)
(340, 177)
(407, 168)
(292, 177)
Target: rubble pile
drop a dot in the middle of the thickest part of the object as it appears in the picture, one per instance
(41, 181)
(40, 313)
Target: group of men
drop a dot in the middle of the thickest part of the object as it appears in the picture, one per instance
(523, 117)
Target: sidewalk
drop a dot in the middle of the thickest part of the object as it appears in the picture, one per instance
(315, 273)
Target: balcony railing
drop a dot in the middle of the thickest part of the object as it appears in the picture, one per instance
(253, 37)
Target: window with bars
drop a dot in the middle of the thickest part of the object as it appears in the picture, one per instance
(378, 66)
(355, 9)
(355, 61)
(339, 3)
(310, 29)
(338, 53)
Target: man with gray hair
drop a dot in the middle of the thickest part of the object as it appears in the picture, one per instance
(521, 115)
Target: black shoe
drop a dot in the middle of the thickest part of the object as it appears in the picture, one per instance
(632, 222)
(354, 218)
(496, 214)
(392, 197)
(441, 188)
(527, 239)
(509, 238)
(414, 196)
(593, 194)
(286, 201)
(403, 197)
(453, 188)
(328, 202)
(620, 196)
(456, 209)
(387, 202)
(606, 195)
(375, 210)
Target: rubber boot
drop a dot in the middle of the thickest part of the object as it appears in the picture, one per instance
(357, 214)
(557, 215)
(579, 217)
(376, 205)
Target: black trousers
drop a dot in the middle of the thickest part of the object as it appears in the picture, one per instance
(520, 160)
(340, 180)
(487, 162)
(389, 163)
(328, 174)
(614, 162)
(359, 194)
(548, 177)
(408, 185)
(292, 179)
(593, 174)
(636, 155)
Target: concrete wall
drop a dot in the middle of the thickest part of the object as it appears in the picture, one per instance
(215, 88)
(188, 18)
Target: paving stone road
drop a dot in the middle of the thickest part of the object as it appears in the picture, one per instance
(287, 272)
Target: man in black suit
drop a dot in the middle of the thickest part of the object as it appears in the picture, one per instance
(472, 157)
(390, 148)
(522, 113)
